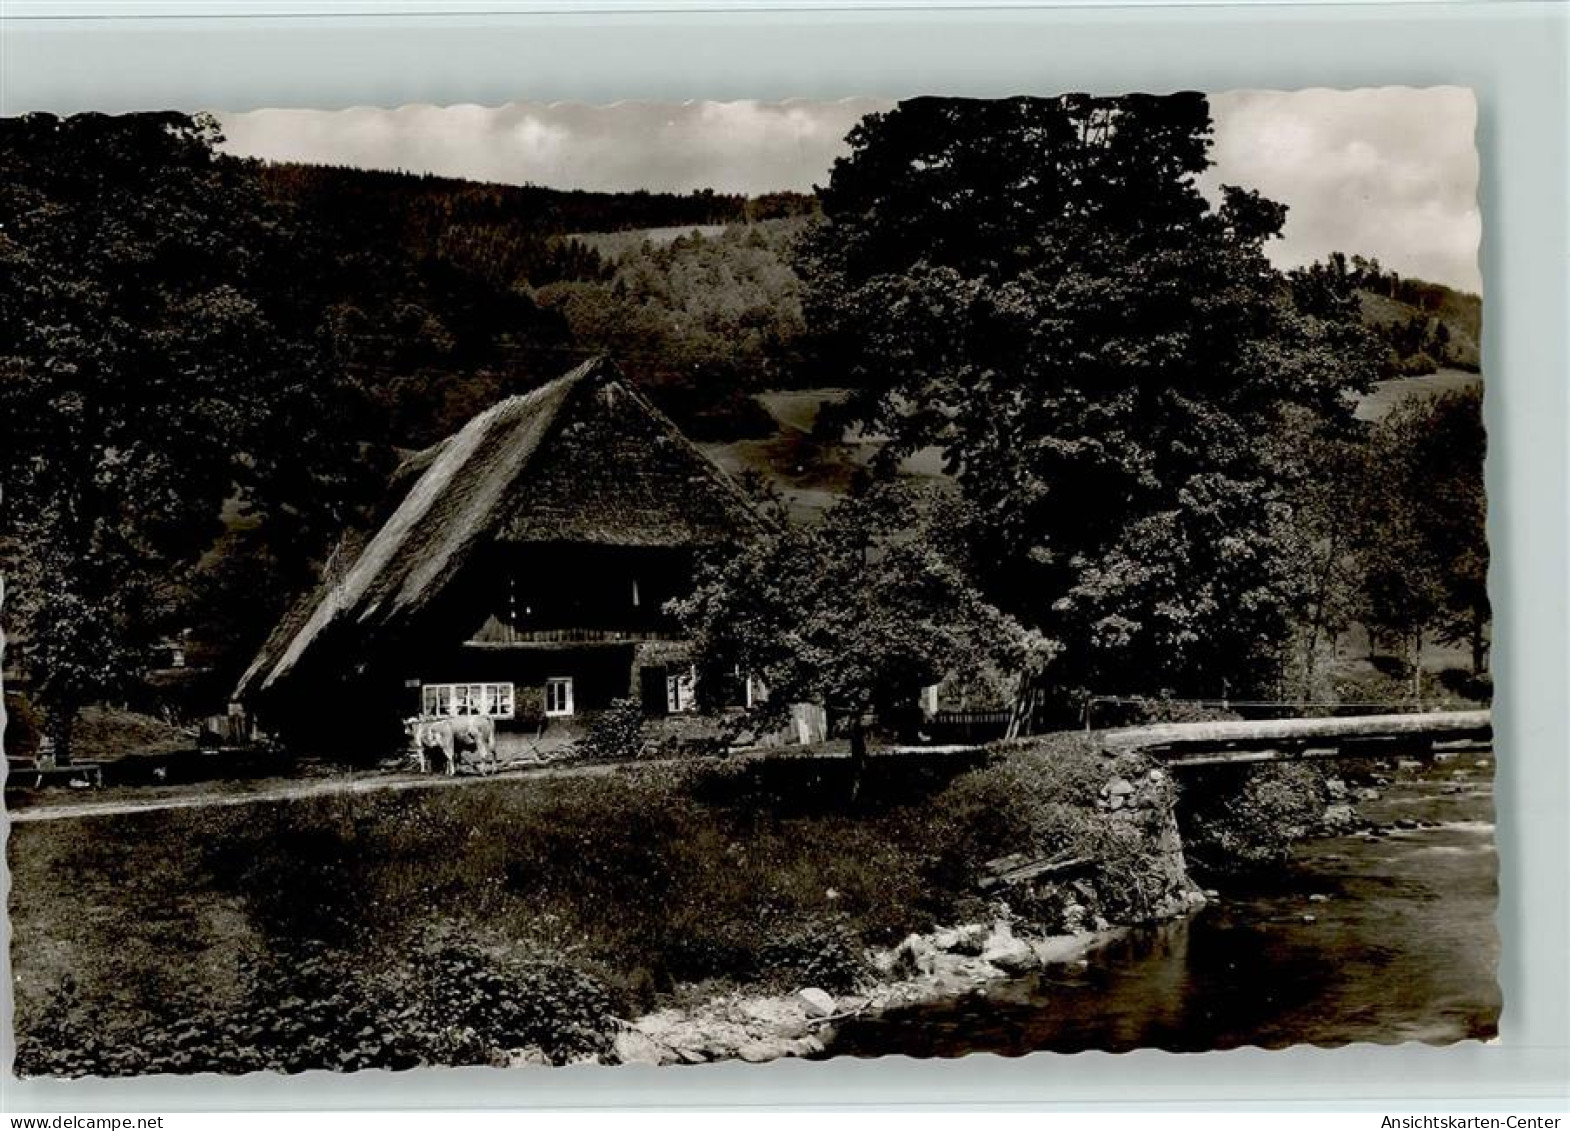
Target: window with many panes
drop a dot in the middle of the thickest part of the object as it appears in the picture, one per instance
(558, 696)
(493, 699)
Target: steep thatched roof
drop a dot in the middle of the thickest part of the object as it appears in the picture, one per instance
(583, 459)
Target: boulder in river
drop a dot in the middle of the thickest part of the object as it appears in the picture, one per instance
(759, 1052)
(816, 1002)
(1339, 818)
(915, 953)
(633, 1047)
(1009, 954)
(782, 1016)
(968, 939)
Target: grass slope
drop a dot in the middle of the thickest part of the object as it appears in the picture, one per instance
(351, 931)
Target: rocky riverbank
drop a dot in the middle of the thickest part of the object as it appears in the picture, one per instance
(1352, 807)
(1126, 865)
(922, 968)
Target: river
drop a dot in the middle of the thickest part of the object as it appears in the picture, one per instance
(1355, 939)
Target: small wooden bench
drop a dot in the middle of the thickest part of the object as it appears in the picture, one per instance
(31, 773)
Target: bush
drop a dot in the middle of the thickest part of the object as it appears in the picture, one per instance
(1463, 684)
(316, 1007)
(497, 1003)
(1240, 818)
(1040, 799)
(615, 734)
(824, 952)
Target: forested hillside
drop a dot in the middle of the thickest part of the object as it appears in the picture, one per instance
(1426, 326)
(431, 286)
(445, 295)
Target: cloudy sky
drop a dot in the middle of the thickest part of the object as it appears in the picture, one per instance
(1390, 173)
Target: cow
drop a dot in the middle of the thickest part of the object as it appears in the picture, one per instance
(451, 736)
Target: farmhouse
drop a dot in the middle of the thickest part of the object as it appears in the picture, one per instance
(521, 573)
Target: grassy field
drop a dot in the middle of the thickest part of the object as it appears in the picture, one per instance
(448, 926)
(1388, 394)
(811, 473)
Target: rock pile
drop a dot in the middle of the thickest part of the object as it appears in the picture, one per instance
(756, 1028)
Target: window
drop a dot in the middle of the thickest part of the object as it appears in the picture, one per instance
(558, 696)
(681, 692)
(493, 699)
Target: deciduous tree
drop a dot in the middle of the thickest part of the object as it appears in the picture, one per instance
(156, 365)
(857, 613)
(1104, 355)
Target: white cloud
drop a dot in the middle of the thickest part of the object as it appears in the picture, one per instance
(1388, 172)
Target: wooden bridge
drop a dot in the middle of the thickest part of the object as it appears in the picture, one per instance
(1181, 745)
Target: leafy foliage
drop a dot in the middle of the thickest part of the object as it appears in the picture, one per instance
(1421, 540)
(1237, 819)
(616, 733)
(156, 361)
(313, 1007)
(701, 321)
(857, 613)
(1038, 287)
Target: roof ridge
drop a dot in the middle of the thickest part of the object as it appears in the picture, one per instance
(401, 527)
(466, 492)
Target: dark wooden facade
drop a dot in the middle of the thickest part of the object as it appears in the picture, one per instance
(523, 571)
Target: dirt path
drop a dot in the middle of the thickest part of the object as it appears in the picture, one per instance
(290, 791)
(241, 793)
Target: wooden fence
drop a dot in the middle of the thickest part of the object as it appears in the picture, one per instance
(964, 728)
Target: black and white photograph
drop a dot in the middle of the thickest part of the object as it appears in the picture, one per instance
(668, 583)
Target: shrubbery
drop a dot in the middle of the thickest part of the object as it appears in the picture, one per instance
(616, 734)
(1239, 818)
(311, 1006)
(1040, 800)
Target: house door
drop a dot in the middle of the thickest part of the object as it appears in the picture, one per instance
(651, 685)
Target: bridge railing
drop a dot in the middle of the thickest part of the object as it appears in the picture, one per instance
(1246, 740)
(1103, 711)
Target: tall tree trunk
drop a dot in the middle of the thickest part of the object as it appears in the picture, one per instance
(1024, 711)
(858, 753)
(62, 729)
(1317, 619)
(1479, 649)
(1417, 664)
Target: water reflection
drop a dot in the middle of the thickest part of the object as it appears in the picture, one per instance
(1402, 946)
